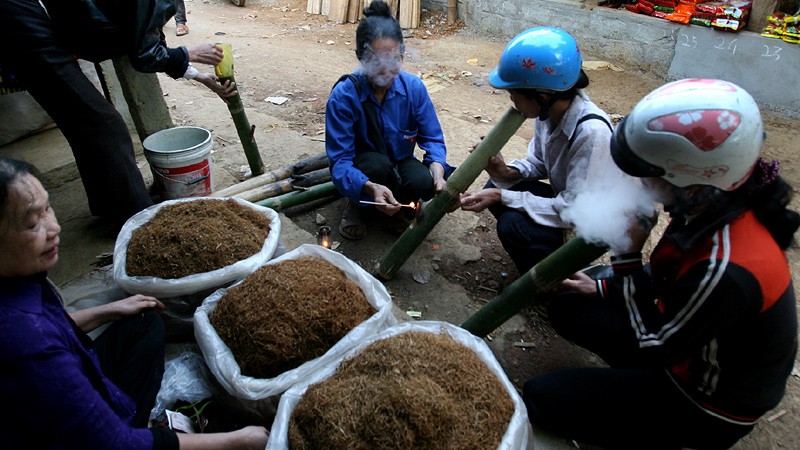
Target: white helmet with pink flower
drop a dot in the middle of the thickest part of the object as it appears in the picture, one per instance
(692, 131)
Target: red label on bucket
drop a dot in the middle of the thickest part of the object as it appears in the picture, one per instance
(181, 182)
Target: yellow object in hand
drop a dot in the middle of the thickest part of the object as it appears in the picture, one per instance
(225, 67)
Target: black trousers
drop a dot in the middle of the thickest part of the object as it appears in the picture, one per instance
(526, 241)
(131, 354)
(409, 180)
(97, 134)
(622, 407)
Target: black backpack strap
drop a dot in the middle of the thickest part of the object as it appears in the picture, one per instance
(590, 117)
(369, 109)
(594, 116)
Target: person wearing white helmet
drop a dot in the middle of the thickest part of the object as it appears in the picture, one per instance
(541, 69)
(701, 341)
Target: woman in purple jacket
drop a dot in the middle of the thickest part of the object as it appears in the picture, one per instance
(60, 390)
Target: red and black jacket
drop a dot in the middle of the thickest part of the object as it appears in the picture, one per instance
(717, 310)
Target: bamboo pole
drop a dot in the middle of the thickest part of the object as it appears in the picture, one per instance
(224, 71)
(245, 130)
(305, 165)
(529, 288)
(452, 11)
(285, 186)
(445, 200)
(298, 198)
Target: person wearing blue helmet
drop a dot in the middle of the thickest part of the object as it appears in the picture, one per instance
(541, 70)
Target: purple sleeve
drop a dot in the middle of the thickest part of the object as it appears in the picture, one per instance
(49, 387)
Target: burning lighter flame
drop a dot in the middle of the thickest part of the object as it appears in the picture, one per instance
(412, 204)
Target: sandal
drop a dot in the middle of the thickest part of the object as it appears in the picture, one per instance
(351, 219)
(181, 29)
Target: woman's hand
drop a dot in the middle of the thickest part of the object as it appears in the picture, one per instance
(247, 438)
(90, 318)
(480, 200)
(497, 168)
(135, 304)
(224, 90)
(582, 284)
(206, 54)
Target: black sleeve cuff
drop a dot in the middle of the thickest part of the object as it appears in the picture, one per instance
(164, 439)
(177, 63)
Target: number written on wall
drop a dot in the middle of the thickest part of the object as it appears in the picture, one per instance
(771, 52)
(721, 43)
(730, 46)
(688, 41)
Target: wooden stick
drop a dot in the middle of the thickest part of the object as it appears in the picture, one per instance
(386, 204)
(447, 199)
(452, 11)
(338, 11)
(530, 287)
(352, 10)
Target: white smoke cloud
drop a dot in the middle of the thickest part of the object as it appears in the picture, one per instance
(604, 209)
(381, 68)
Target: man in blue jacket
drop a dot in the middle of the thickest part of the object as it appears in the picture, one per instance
(374, 120)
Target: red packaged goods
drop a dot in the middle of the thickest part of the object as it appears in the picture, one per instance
(735, 9)
(632, 8)
(679, 17)
(644, 9)
(661, 15)
(665, 3)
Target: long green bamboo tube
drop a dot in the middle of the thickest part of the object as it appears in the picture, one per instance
(571, 257)
(285, 186)
(445, 200)
(298, 198)
(245, 130)
(302, 166)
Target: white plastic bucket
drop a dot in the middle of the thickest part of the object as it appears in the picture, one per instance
(180, 161)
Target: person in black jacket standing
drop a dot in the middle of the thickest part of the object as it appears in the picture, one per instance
(44, 39)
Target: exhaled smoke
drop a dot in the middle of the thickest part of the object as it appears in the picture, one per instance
(604, 210)
(381, 68)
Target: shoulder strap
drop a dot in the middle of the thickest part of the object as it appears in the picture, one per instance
(375, 133)
(590, 117)
(594, 116)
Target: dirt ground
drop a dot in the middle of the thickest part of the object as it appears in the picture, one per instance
(281, 51)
